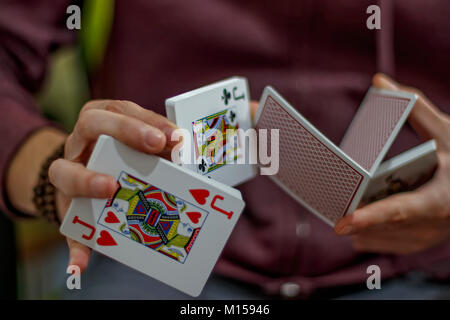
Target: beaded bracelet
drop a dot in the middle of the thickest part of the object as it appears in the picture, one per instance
(44, 192)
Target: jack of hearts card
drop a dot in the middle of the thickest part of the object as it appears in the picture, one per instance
(163, 220)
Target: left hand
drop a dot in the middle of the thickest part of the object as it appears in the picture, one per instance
(411, 221)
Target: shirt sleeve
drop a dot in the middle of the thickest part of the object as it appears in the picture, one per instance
(29, 31)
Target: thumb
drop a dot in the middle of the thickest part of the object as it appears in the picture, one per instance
(253, 108)
(78, 254)
(408, 206)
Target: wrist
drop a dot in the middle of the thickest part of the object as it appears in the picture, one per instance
(25, 167)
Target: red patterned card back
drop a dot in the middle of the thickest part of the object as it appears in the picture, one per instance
(373, 129)
(310, 169)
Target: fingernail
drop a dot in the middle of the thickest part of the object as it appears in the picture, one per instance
(345, 230)
(153, 138)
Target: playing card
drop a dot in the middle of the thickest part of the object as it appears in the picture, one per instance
(163, 220)
(331, 181)
(405, 172)
(215, 117)
(311, 168)
(375, 126)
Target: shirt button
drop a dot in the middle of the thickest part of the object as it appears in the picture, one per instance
(290, 289)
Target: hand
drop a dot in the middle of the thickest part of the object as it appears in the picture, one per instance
(253, 108)
(412, 221)
(127, 122)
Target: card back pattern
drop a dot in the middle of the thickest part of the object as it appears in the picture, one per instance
(371, 128)
(308, 168)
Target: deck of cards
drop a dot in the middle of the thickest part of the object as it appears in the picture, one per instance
(172, 221)
(332, 181)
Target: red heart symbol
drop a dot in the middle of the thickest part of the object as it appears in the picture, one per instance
(200, 195)
(194, 216)
(106, 239)
(111, 218)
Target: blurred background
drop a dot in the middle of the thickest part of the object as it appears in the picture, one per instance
(36, 254)
(41, 252)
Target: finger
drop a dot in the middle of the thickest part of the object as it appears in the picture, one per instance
(425, 117)
(133, 132)
(384, 246)
(408, 206)
(413, 239)
(367, 244)
(253, 109)
(382, 81)
(402, 239)
(78, 254)
(136, 111)
(74, 180)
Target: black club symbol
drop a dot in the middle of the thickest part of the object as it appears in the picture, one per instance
(226, 96)
(202, 166)
(232, 116)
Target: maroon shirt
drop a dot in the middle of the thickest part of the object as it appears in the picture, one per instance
(318, 54)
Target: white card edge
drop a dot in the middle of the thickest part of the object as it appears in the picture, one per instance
(200, 90)
(404, 158)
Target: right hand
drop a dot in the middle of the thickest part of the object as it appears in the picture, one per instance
(141, 129)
